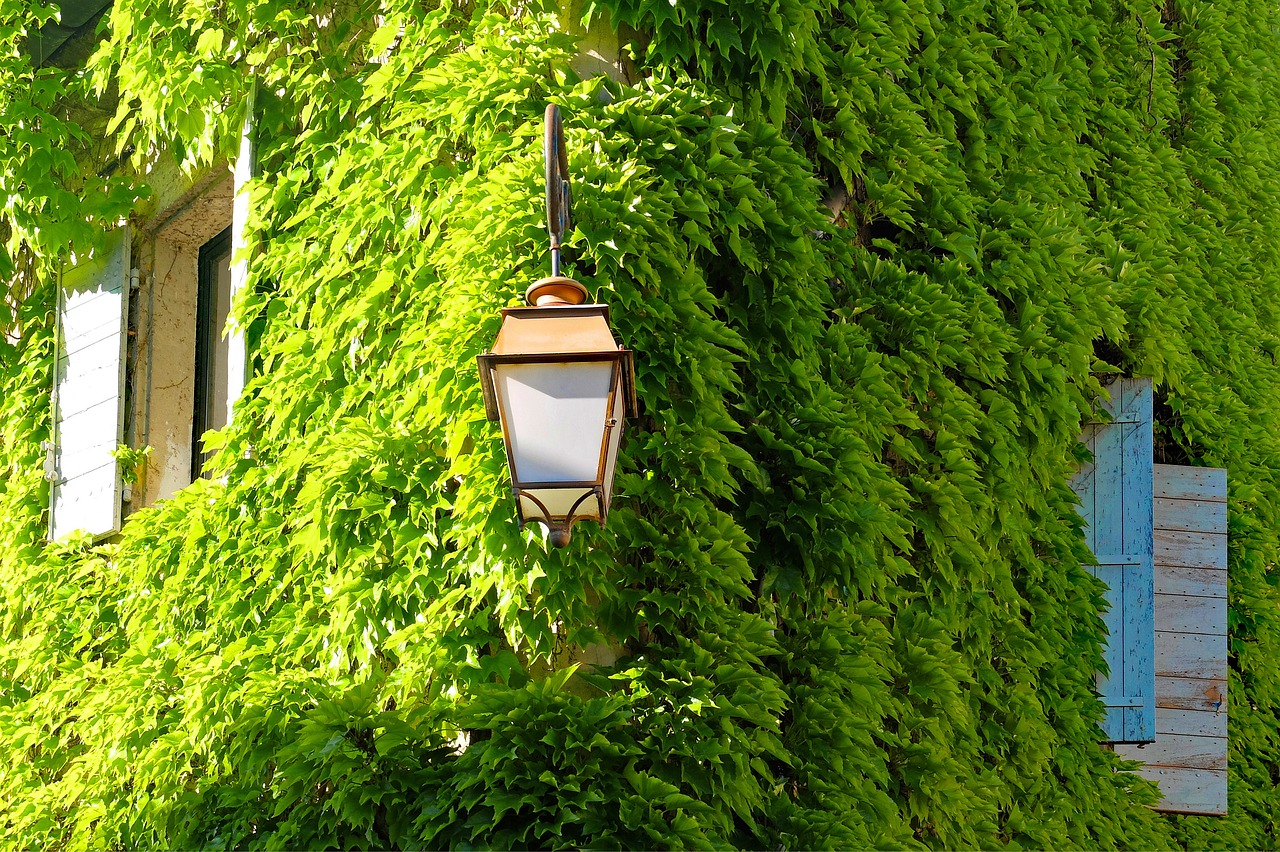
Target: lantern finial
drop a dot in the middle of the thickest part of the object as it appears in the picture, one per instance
(554, 291)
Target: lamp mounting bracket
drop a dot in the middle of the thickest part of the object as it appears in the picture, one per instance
(557, 172)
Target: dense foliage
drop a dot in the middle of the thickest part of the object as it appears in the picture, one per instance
(874, 259)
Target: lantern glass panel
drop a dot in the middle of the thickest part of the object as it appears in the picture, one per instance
(554, 417)
(558, 502)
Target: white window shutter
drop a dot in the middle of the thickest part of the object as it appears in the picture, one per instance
(88, 393)
(1116, 500)
(1188, 760)
(245, 168)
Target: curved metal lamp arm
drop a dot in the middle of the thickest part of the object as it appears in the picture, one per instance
(557, 171)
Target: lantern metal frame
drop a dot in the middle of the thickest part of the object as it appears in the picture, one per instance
(621, 381)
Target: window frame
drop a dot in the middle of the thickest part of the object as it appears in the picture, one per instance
(209, 332)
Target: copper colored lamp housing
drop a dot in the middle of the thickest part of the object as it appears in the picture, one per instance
(561, 386)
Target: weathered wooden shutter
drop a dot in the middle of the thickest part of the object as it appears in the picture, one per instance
(1115, 494)
(88, 393)
(1189, 756)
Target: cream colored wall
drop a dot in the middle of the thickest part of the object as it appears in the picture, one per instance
(190, 212)
(600, 50)
(166, 346)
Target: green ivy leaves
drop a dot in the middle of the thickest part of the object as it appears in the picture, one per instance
(869, 256)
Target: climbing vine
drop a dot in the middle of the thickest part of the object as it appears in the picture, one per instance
(872, 259)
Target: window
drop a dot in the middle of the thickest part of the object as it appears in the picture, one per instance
(142, 359)
(1158, 534)
(181, 375)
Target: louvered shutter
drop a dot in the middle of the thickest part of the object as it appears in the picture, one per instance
(88, 393)
(1115, 494)
(1188, 760)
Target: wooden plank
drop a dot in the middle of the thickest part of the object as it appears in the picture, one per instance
(1108, 509)
(1133, 403)
(84, 427)
(85, 503)
(79, 292)
(1119, 559)
(1177, 750)
(1137, 524)
(85, 400)
(1196, 582)
(90, 298)
(1184, 614)
(1191, 549)
(84, 444)
(1111, 685)
(1082, 484)
(1190, 693)
(1182, 482)
(1191, 655)
(83, 329)
(89, 373)
(1201, 724)
(1207, 516)
(84, 298)
(1190, 791)
(73, 464)
(1108, 537)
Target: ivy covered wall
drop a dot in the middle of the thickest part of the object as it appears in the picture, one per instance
(876, 261)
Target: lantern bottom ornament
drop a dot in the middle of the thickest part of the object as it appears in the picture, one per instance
(561, 387)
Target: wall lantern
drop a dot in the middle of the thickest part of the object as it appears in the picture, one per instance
(559, 383)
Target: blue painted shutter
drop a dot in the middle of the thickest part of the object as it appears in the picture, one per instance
(88, 393)
(1116, 502)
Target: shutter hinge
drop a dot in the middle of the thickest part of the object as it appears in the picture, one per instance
(50, 462)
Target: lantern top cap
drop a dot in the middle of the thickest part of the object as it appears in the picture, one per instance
(555, 330)
(554, 291)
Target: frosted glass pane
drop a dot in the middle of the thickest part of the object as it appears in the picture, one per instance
(558, 502)
(555, 417)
